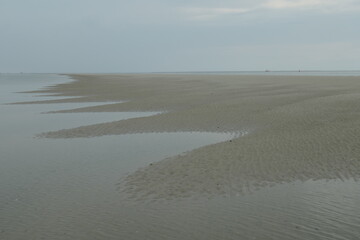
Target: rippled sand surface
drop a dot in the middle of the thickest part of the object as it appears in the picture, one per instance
(187, 157)
(297, 128)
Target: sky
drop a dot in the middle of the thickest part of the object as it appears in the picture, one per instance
(108, 36)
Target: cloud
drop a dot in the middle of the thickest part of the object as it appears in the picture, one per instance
(323, 6)
(285, 4)
(211, 13)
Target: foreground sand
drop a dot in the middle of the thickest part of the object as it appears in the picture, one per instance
(298, 128)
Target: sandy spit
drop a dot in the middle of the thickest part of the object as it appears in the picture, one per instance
(300, 128)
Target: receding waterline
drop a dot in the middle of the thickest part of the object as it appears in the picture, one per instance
(67, 188)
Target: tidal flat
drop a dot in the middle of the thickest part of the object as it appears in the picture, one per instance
(175, 156)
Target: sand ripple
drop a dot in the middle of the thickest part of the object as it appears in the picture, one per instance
(300, 128)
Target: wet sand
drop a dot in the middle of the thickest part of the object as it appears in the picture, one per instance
(290, 128)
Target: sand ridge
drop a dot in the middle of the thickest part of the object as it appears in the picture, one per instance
(300, 128)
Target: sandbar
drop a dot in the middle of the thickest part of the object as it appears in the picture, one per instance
(298, 128)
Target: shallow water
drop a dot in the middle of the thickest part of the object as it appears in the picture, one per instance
(67, 188)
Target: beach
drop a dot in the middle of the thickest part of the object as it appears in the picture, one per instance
(180, 120)
(179, 156)
(289, 128)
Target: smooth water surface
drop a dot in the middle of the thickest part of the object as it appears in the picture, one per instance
(67, 188)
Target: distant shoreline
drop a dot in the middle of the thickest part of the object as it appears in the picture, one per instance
(236, 73)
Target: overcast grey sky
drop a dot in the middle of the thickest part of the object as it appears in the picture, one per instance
(196, 35)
